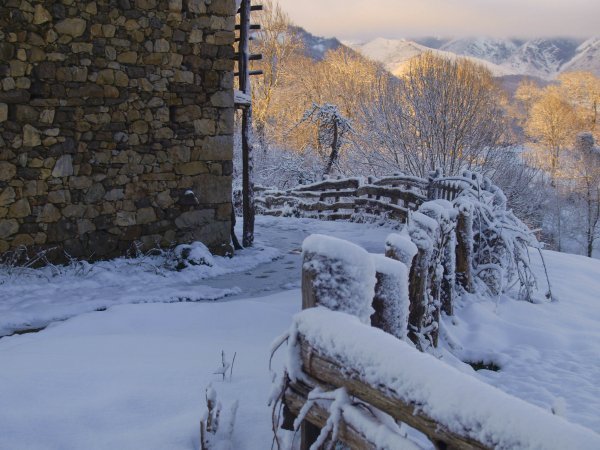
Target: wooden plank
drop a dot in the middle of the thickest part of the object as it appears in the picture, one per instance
(372, 203)
(325, 194)
(322, 206)
(391, 192)
(328, 372)
(251, 73)
(253, 26)
(241, 98)
(339, 216)
(403, 179)
(252, 8)
(311, 194)
(253, 57)
(350, 183)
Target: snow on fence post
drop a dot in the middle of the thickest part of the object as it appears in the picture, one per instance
(400, 248)
(444, 252)
(339, 275)
(391, 302)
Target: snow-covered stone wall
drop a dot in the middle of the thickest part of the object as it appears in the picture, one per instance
(116, 123)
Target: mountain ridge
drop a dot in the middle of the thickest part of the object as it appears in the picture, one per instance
(541, 57)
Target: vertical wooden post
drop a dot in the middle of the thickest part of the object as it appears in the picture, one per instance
(464, 251)
(391, 291)
(308, 432)
(336, 199)
(309, 298)
(247, 159)
(417, 293)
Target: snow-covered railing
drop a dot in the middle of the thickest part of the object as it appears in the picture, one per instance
(361, 199)
(353, 373)
(347, 199)
(382, 377)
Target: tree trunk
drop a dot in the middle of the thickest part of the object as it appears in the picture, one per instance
(334, 149)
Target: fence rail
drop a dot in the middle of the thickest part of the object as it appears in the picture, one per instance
(383, 374)
(359, 199)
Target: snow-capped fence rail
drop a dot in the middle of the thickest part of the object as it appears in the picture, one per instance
(349, 198)
(384, 380)
(354, 369)
(359, 199)
(351, 373)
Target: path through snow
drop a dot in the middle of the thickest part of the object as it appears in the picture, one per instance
(32, 299)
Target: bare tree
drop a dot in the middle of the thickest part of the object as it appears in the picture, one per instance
(279, 42)
(441, 114)
(582, 89)
(552, 124)
(583, 171)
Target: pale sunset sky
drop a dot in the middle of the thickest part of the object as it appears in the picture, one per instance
(364, 19)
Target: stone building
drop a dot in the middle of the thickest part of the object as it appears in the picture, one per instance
(116, 124)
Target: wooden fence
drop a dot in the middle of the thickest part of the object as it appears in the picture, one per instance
(354, 198)
(463, 425)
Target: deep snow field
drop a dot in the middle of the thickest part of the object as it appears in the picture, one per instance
(134, 376)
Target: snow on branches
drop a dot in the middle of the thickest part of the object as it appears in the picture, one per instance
(332, 129)
(500, 240)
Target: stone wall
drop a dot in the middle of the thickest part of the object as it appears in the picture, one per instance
(116, 123)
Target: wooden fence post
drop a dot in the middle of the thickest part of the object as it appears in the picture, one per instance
(464, 250)
(391, 296)
(309, 297)
(328, 278)
(417, 293)
(308, 432)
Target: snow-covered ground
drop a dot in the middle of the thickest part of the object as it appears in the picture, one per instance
(134, 376)
(549, 354)
(32, 299)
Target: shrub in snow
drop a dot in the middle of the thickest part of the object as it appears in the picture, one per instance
(342, 275)
(194, 254)
(213, 434)
(225, 366)
(500, 241)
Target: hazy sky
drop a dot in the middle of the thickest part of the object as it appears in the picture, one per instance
(362, 19)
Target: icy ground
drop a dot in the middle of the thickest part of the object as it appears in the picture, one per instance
(134, 376)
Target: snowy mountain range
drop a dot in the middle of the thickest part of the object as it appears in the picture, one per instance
(396, 54)
(543, 57)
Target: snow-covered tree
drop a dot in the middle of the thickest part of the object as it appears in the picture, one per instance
(442, 114)
(332, 131)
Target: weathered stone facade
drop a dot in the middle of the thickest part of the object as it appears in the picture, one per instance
(116, 123)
